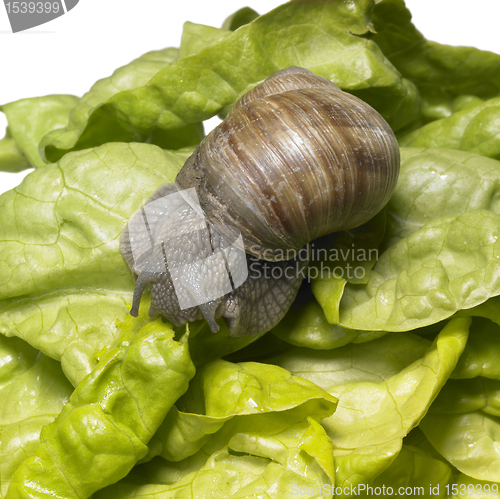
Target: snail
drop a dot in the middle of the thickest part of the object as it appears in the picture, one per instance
(296, 158)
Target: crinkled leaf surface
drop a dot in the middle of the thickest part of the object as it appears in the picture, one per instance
(196, 88)
(474, 129)
(105, 427)
(267, 461)
(441, 72)
(434, 183)
(440, 254)
(306, 326)
(223, 391)
(416, 469)
(375, 361)
(30, 119)
(196, 37)
(12, 159)
(246, 432)
(384, 388)
(481, 356)
(469, 441)
(468, 395)
(63, 281)
(241, 17)
(33, 391)
(344, 257)
(463, 423)
(448, 265)
(97, 129)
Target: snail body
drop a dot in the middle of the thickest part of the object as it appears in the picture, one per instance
(295, 159)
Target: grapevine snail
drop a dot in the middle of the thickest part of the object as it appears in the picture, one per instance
(296, 158)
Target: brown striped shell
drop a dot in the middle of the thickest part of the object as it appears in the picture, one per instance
(295, 159)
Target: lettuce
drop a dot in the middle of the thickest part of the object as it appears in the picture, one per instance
(474, 129)
(439, 255)
(384, 388)
(30, 119)
(12, 159)
(275, 460)
(464, 422)
(385, 378)
(63, 282)
(101, 130)
(34, 390)
(104, 428)
(444, 75)
(417, 471)
(307, 326)
(165, 103)
(244, 430)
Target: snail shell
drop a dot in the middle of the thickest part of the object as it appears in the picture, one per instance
(295, 159)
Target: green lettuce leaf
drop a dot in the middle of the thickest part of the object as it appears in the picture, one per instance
(446, 266)
(474, 129)
(30, 119)
(416, 471)
(307, 326)
(463, 423)
(224, 392)
(481, 356)
(241, 17)
(384, 388)
(277, 459)
(374, 362)
(467, 487)
(434, 183)
(349, 257)
(469, 441)
(97, 128)
(439, 254)
(17, 357)
(198, 87)
(12, 159)
(244, 430)
(196, 37)
(105, 427)
(469, 395)
(33, 391)
(417, 439)
(63, 281)
(441, 73)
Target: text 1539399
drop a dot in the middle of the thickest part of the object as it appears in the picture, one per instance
(32, 7)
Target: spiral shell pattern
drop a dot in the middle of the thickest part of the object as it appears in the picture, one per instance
(295, 159)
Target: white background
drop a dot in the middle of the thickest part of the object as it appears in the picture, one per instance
(70, 53)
